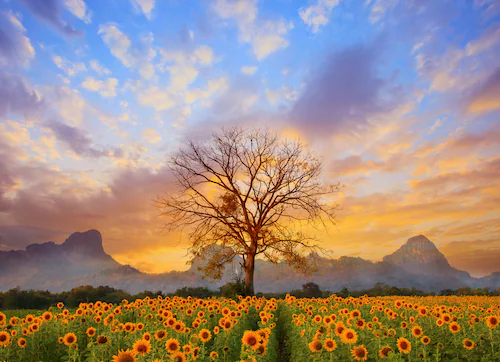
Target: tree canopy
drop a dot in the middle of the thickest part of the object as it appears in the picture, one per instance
(244, 191)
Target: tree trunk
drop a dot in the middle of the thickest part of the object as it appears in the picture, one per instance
(249, 269)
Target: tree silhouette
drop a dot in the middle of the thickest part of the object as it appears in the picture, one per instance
(247, 191)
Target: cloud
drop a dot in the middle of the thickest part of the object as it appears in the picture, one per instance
(71, 69)
(144, 6)
(237, 100)
(354, 165)
(184, 66)
(17, 98)
(67, 103)
(67, 201)
(182, 75)
(18, 237)
(157, 98)
(487, 98)
(481, 175)
(213, 86)
(283, 94)
(106, 88)
(118, 43)
(204, 55)
(79, 142)
(379, 8)
(249, 70)
(138, 57)
(488, 40)
(315, 16)
(151, 135)
(49, 12)
(79, 9)
(478, 257)
(343, 93)
(265, 36)
(15, 46)
(98, 68)
(456, 72)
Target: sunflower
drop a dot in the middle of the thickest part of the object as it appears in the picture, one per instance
(125, 356)
(205, 335)
(339, 328)
(214, 355)
(360, 353)
(47, 316)
(349, 336)
(384, 351)
(196, 353)
(142, 347)
(4, 338)
(315, 345)
(172, 345)
(446, 318)
(404, 345)
(21, 342)
(416, 331)
(102, 339)
(492, 321)
(454, 327)
(468, 344)
(330, 345)
(179, 357)
(360, 323)
(69, 339)
(160, 334)
(250, 339)
(90, 331)
(60, 305)
(425, 340)
(261, 350)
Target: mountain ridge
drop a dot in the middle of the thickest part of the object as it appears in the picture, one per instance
(82, 260)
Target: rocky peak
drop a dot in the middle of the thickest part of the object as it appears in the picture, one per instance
(41, 248)
(85, 243)
(418, 251)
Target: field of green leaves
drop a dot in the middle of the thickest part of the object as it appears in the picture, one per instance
(258, 329)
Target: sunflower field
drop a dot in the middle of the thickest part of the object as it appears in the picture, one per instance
(258, 329)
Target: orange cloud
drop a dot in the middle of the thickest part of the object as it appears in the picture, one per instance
(488, 98)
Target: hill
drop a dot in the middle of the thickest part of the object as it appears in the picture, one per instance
(81, 260)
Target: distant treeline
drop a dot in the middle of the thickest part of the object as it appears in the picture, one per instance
(39, 299)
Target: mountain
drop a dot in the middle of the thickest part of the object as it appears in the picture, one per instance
(81, 260)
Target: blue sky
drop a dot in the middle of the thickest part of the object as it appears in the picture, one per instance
(400, 99)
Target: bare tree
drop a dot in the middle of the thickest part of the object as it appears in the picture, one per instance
(245, 190)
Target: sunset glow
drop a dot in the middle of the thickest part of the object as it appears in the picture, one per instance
(400, 99)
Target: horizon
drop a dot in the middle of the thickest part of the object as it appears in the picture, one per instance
(323, 256)
(401, 101)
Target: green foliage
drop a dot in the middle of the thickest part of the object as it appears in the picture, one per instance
(42, 299)
(309, 290)
(196, 292)
(233, 289)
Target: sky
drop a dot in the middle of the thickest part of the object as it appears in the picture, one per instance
(401, 100)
